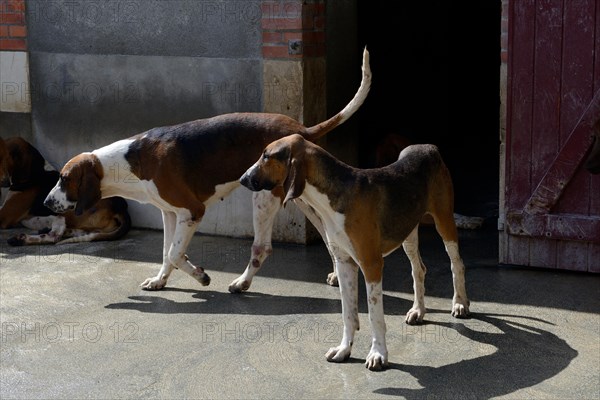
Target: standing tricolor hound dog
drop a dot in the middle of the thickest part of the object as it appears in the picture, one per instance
(185, 168)
(366, 214)
(29, 180)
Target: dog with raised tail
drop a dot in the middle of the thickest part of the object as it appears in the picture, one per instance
(366, 214)
(185, 168)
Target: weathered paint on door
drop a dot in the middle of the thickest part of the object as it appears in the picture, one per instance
(551, 210)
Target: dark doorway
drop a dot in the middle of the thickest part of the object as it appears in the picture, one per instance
(436, 79)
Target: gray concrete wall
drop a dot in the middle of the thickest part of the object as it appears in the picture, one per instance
(105, 70)
(101, 71)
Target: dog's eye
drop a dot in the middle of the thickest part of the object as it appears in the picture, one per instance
(265, 156)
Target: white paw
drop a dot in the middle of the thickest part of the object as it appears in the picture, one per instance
(154, 283)
(376, 361)
(460, 309)
(414, 316)
(239, 285)
(338, 354)
(201, 277)
(332, 279)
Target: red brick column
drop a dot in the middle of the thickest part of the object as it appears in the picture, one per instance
(293, 29)
(13, 27)
(294, 81)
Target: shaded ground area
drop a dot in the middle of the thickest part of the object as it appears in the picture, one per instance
(75, 324)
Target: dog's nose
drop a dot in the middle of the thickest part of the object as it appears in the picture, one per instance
(246, 181)
(48, 202)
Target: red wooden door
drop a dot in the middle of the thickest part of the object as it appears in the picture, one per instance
(551, 211)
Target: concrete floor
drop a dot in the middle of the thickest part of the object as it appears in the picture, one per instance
(75, 324)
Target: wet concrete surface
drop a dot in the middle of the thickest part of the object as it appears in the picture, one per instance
(76, 325)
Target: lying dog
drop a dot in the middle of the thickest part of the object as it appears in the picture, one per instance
(185, 168)
(23, 170)
(366, 214)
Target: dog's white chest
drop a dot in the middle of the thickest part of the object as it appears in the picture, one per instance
(333, 221)
(221, 191)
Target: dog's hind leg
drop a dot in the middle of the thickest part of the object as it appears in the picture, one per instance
(460, 302)
(185, 226)
(442, 212)
(411, 248)
(264, 206)
(178, 232)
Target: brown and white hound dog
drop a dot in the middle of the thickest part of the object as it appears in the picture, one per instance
(23, 170)
(185, 168)
(366, 214)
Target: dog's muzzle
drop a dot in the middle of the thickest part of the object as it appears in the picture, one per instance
(249, 179)
(246, 181)
(253, 181)
(57, 206)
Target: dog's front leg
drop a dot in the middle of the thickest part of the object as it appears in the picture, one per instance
(348, 281)
(51, 230)
(159, 281)
(264, 210)
(378, 356)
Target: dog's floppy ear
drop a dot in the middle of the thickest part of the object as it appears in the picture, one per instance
(89, 190)
(296, 179)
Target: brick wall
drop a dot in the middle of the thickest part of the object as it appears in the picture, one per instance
(293, 29)
(13, 27)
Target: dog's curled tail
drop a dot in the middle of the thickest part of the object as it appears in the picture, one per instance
(315, 132)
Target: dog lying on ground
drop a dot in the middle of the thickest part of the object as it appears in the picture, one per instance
(366, 214)
(185, 168)
(23, 171)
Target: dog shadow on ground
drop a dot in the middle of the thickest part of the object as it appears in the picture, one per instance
(526, 355)
(213, 302)
(252, 303)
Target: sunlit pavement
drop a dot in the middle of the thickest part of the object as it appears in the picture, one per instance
(75, 324)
